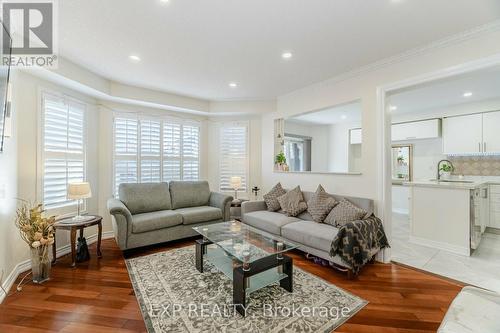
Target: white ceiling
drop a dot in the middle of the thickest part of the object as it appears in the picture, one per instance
(484, 85)
(196, 48)
(347, 113)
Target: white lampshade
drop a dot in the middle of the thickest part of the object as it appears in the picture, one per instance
(235, 182)
(79, 191)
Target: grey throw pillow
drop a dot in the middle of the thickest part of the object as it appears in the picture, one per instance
(271, 198)
(320, 204)
(344, 212)
(293, 202)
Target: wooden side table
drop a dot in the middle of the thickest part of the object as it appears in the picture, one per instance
(73, 226)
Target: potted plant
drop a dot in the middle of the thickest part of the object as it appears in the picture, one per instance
(446, 170)
(38, 232)
(280, 161)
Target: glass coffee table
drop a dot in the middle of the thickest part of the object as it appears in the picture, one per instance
(251, 258)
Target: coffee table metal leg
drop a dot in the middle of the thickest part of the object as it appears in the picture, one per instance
(287, 283)
(99, 239)
(239, 294)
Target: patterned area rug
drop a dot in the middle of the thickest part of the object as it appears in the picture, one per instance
(175, 297)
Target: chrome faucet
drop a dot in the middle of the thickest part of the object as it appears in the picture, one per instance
(439, 166)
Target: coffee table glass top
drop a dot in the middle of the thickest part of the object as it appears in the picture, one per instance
(245, 243)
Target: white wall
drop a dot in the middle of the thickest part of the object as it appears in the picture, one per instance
(364, 86)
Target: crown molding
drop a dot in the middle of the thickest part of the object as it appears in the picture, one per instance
(476, 32)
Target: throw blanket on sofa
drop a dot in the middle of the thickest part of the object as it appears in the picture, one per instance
(357, 241)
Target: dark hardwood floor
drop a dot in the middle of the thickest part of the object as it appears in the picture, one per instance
(97, 296)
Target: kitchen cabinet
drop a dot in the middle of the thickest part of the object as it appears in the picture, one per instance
(425, 129)
(463, 134)
(491, 133)
(494, 206)
(356, 135)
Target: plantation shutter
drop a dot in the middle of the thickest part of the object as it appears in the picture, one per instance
(190, 152)
(233, 156)
(126, 148)
(150, 151)
(63, 148)
(171, 152)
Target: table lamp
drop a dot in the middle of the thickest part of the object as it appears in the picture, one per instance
(79, 191)
(236, 184)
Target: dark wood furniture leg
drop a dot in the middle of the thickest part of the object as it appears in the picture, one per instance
(73, 246)
(240, 278)
(201, 249)
(54, 250)
(99, 239)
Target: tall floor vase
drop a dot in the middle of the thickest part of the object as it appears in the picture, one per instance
(40, 263)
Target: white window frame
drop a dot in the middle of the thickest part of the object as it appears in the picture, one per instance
(69, 207)
(162, 119)
(247, 154)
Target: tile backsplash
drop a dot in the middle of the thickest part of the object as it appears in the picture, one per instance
(476, 165)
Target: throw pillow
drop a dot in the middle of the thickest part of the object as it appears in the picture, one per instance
(320, 204)
(343, 213)
(271, 198)
(293, 202)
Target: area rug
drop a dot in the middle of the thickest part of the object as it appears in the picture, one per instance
(175, 297)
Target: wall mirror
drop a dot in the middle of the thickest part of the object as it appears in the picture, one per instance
(402, 160)
(324, 141)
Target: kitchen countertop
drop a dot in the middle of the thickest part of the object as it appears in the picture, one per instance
(476, 181)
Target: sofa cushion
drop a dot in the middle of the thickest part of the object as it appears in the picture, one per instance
(145, 197)
(268, 221)
(344, 212)
(316, 235)
(320, 204)
(293, 202)
(192, 215)
(271, 198)
(189, 193)
(155, 221)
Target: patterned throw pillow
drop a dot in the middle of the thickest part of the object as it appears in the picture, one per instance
(344, 212)
(320, 204)
(271, 198)
(293, 202)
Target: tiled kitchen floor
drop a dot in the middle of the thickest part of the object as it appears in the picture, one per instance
(481, 269)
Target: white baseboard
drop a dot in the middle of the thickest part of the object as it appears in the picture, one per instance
(464, 251)
(25, 265)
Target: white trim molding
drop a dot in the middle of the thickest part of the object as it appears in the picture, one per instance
(25, 265)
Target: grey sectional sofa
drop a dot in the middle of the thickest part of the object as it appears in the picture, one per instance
(314, 238)
(151, 213)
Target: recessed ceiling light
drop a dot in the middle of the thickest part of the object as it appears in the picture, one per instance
(467, 94)
(393, 108)
(134, 58)
(343, 116)
(233, 84)
(286, 55)
(164, 1)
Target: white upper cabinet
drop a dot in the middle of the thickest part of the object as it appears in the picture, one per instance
(463, 134)
(356, 136)
(491, 132)
(425, 129)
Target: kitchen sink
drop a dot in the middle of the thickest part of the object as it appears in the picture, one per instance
(453, 181)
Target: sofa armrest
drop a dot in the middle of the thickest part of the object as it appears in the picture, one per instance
(121, 221)
(252, 206)
(223, 202)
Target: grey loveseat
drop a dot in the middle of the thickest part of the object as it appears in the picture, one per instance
(151, 213)
(312, 237)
